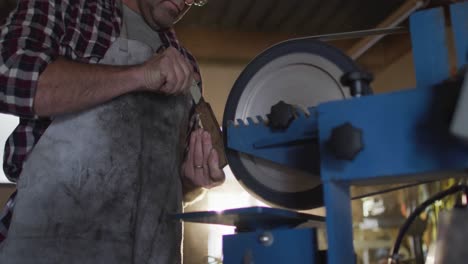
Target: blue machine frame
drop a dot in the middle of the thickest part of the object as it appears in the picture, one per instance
(298, 246)
(405, 134)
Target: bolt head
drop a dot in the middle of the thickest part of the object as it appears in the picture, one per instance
(281, 115)
(346, 141)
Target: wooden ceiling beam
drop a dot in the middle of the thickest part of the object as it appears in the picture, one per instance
(393, 20)
(231, 45)
(385, 53)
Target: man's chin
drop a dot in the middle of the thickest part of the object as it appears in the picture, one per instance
(164, 26)
(163, 23)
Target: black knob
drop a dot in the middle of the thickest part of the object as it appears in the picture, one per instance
(281, 115)
(346, 141)
(358, 81)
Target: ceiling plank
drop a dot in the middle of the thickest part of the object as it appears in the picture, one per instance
(343, 18)
(284, 10)
(262, 22)
(212, 13)
(326, 12)
(237, 13)
(301, 14)
(251, 20)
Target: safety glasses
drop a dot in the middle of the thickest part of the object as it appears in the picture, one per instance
(197, 3)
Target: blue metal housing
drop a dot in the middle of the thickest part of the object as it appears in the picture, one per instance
(298, 246)
(284, 245)
(258, 139)
(406, 134)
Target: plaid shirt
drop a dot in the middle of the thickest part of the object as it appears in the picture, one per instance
(35, 34)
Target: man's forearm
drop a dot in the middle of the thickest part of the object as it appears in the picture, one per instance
(67, 86)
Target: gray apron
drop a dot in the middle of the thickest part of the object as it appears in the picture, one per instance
(100, 185)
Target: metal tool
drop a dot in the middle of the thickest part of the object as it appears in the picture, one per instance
(209, 122)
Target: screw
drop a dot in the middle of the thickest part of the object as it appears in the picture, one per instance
(266, 239)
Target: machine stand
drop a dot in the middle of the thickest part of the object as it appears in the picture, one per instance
(338, 195)
(280, 246)
(265, 235)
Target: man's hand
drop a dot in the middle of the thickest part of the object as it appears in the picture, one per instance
(201, 168)
(168, 72)
(68, 86)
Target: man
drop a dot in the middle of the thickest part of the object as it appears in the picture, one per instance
(101, 154)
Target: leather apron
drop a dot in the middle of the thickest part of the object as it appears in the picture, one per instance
(100, 185)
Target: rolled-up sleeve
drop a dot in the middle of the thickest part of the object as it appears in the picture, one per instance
(29, 41)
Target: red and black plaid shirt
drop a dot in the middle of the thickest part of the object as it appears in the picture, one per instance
(36, 33)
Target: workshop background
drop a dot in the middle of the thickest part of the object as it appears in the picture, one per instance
(225, 35)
